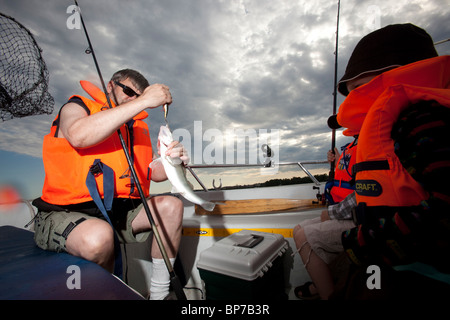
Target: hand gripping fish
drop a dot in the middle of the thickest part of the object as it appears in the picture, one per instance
(175, 173)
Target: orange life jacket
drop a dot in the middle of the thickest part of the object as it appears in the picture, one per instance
(343, 183)
(429, 73)
(67, 167)
(381, 179)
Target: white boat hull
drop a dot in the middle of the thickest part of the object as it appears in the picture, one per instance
(200, 232)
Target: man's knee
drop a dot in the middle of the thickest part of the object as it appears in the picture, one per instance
(92, 239)
(100, 242)
(170, 207)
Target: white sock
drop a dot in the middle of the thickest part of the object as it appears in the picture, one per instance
(160, 281)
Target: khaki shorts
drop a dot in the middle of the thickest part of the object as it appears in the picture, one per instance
(52, 228)
(325, 237)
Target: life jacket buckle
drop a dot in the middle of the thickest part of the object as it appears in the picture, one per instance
(96, 169)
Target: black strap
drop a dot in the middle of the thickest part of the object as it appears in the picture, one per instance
(76, 100)
(370, 166)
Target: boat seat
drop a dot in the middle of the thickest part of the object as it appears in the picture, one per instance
(30, 273)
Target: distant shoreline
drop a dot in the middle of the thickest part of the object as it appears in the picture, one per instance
(277, 182)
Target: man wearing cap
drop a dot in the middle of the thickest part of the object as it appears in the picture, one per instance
(398, 98)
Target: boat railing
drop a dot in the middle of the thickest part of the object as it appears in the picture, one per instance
(270, 164)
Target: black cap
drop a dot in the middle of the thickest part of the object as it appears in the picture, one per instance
(389, 47)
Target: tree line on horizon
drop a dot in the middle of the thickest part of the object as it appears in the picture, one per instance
(280, 182)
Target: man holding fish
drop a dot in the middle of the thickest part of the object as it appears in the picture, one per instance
(83, 143)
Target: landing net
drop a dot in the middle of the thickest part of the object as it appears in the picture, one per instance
(23, 73)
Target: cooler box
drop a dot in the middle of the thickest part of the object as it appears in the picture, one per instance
(246, 265)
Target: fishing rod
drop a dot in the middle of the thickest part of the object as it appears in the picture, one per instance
(174, 280)
(333, 131)
(442, 41)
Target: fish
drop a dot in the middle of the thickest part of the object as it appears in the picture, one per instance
(176, 174)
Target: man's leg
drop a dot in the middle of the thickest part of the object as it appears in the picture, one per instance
(93, 240)
(167, 212)
(77, 234)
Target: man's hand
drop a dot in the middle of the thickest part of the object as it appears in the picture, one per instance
(156, 95)
(176, 150)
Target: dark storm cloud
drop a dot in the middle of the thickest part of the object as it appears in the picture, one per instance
(230, 64)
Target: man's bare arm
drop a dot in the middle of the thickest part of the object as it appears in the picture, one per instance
(83, 130)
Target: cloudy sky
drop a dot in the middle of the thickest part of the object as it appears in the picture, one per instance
(253, 65)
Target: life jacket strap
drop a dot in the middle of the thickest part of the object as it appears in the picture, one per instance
(105, 205)
(370, 166)
(350, 185)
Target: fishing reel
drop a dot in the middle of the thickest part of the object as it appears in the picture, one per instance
(321, 199)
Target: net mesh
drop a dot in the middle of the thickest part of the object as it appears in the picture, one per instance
(23, 73)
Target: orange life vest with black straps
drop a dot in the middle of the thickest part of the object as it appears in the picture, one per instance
(67, 167)
(343, 183)
(373, 108)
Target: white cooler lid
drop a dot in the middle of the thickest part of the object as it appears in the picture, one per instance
(245, 255)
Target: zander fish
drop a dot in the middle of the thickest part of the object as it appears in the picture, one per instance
(175, 173)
